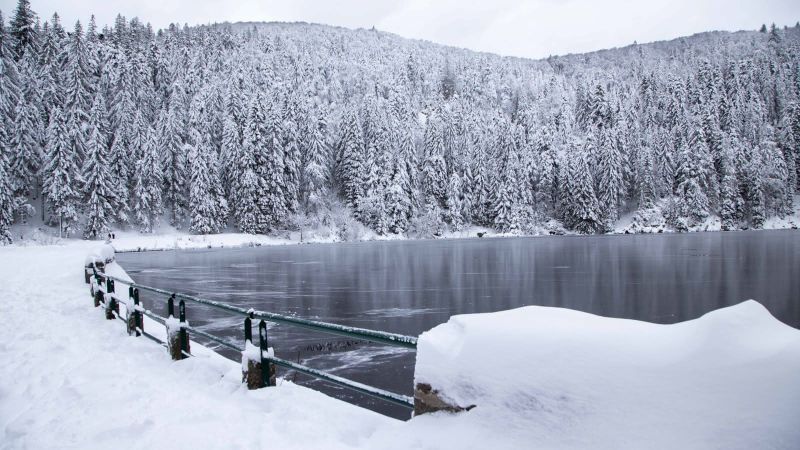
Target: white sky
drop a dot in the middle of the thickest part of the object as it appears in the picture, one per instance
(530, 28)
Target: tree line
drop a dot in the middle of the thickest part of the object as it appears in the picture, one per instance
(266, 127)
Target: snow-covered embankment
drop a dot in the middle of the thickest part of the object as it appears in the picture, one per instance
(562, 378)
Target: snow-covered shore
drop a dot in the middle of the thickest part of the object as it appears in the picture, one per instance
(71, 379)
(565, 378)
(168, 238)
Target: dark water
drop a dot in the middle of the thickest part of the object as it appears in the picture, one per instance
(411, 286)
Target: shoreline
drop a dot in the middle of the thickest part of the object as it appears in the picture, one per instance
(404, 239)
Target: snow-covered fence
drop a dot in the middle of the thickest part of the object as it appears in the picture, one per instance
(258, 362)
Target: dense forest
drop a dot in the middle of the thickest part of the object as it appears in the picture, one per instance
(264, 127)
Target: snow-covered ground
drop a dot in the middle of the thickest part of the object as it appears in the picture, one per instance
(542, 378)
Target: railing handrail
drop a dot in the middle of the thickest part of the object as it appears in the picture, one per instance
(332, 328)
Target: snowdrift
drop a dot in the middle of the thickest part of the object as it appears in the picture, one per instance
(558, 377)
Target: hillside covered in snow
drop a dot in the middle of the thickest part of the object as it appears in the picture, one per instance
(266, 127)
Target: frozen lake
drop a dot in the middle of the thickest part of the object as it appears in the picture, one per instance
(411, 286)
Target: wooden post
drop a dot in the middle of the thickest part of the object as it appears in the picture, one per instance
(133, 312)
(137, 315)
(177, 337)
(98, 297)
(251, 368)
(183, 335)
(267, 376)
(111, 306)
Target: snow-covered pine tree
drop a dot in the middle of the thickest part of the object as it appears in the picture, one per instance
(505, 219)
(407, 152)
(245, 186)
(203, 205)
(778, 199)
(690, 176)
(350, 160)
(646, 178)
(98, 183)
(544, 196)
(173, 162)
(7, 202)
(269, 165)
(217, 192)
(315, 171)
(584, 208)
(147, 201)
(25, 145)
(22, 30)
(729, 187)
(231, 143)
(60, 174)
(10, 92)
(455, 202)
(608, 169)
(77, 75)
(434, 170)
(398, 202)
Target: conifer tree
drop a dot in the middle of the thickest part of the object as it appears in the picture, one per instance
(245, 187)
(398, 202)
(455, 202)
(61, 174)
(584, 207)
(21, 28)
(269, 159)
(609, 177)
(315, 171)
(350, 160)
(98, 183)
(25, 148)
(7, 202)
(78, 90)
(729, 190)
(203, 206)
(434, 170)
(690, 177)
(147, 206)
(173, 162)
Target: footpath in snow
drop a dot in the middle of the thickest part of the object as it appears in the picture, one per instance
(541, 377)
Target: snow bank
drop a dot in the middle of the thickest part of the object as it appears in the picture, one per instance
(101, 253)
(570, 379)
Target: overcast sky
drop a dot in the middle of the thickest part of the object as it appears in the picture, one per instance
(530, 28)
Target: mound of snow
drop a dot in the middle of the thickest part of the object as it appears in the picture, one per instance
(557, 377)
(103, 253)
